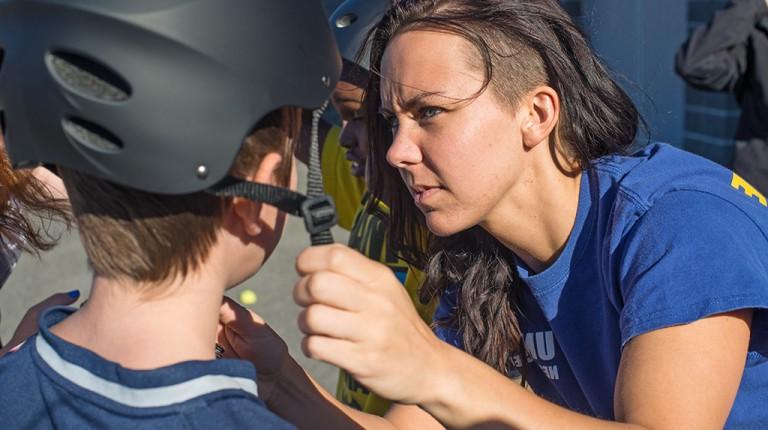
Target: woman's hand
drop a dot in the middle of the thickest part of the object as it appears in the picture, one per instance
(358, 317)
(244, 335)
(28, 325)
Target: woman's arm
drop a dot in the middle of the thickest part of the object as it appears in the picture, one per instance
(678, 377)
(684, 376)
(357, 319)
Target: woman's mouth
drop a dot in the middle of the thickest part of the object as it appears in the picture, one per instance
(422, 194)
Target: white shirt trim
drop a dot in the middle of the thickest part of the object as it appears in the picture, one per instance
(141, 397)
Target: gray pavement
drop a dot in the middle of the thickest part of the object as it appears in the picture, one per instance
(64, 269)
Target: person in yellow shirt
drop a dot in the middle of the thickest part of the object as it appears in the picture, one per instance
(343, 155)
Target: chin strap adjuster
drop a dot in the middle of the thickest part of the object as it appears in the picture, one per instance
(316, 208)
(319, 212)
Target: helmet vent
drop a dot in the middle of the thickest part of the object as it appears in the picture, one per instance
(91, 136)
(87, 77)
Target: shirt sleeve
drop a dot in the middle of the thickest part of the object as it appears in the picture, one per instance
(692, 255)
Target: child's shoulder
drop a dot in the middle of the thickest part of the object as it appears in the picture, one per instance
(17, 363)
(49, 371)
(19, 378)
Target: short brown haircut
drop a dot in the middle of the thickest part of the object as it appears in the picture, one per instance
(151, 238)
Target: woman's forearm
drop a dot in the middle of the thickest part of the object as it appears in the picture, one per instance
(467, 393)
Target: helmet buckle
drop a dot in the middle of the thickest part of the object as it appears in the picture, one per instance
(319, 213)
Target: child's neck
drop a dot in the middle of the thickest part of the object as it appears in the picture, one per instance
(148, 326)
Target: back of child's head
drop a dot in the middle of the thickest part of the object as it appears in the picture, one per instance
(148, 106)
(147, 237)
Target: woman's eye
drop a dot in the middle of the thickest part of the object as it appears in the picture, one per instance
(429, 112)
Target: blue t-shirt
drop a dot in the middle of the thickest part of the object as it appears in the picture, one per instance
(661, 238)
(50, 383)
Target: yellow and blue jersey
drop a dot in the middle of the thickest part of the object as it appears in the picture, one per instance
(338, 182)
(368, 235)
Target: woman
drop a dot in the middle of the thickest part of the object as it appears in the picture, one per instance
(630, 290)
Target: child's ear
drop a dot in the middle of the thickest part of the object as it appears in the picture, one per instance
(266, 172)
(248, 211)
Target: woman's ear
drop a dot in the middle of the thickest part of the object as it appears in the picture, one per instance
(247, 212)
(541, 111)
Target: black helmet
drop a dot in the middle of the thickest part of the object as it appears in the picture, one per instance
(331, 5)
(351, 22)
(156, 95)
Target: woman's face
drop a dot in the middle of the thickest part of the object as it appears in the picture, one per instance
(459, 154)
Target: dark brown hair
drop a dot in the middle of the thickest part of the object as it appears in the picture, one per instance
(518, 44)
(146, 237)
(28, 210)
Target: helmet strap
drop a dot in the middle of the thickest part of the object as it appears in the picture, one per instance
(318, 212)
(315, 176)
(316, 208)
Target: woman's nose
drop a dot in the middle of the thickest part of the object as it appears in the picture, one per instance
(403, 151)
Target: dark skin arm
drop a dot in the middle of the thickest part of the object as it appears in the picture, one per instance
(28, 325)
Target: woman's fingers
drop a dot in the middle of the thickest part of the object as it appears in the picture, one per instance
(331, 322)
(342, 260)
(337, 352)
(331, 289)
(358, 317)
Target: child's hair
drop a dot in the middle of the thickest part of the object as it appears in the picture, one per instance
(152, 238)
(518, 45)
(28, 209)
